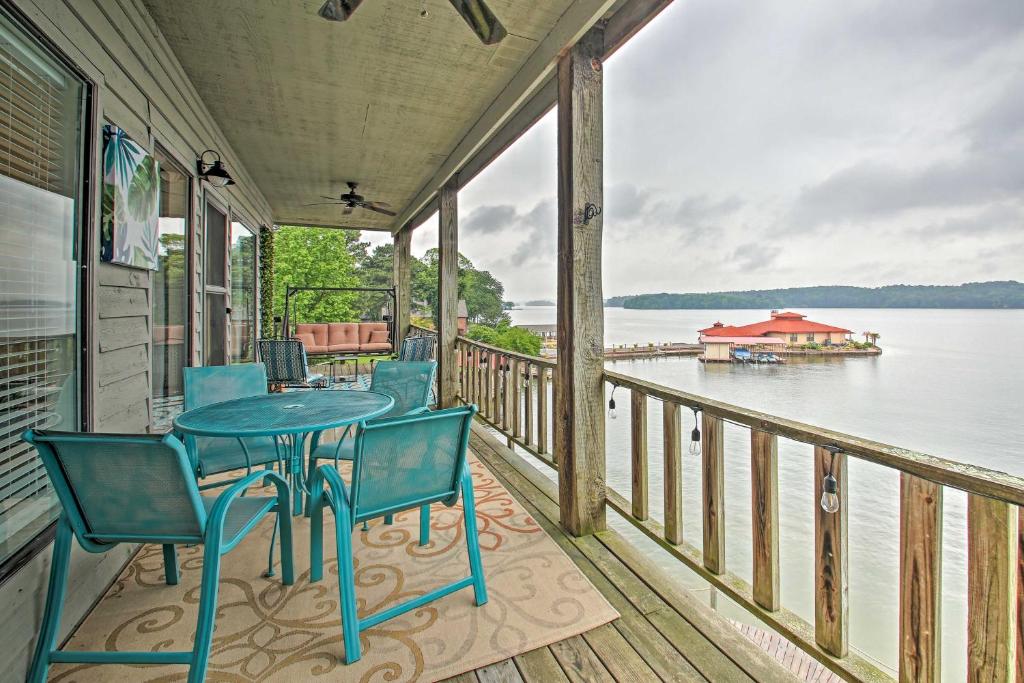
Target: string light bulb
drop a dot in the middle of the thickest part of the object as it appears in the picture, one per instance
(829, 485)
(695, 434)
(611, 403)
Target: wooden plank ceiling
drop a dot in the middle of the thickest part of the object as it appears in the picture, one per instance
(383, 99)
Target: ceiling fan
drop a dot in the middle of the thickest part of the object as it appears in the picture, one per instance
(476, 13)
(352, 200)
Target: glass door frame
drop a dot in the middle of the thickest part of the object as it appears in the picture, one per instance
(190, 244)
(210, 200)
(240, 218)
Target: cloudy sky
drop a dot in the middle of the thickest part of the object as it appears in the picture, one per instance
(785, 143)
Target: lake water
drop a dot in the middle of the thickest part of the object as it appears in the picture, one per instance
(948, 384)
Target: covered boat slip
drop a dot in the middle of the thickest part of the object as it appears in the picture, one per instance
(412, 108)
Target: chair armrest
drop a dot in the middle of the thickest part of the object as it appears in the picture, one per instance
(215, 521)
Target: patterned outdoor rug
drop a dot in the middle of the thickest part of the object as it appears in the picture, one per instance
(267, 632)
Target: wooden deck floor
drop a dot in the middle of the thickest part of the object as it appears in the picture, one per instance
(663, 632)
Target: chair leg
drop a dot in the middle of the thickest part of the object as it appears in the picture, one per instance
(424, 524)
(170, 564)
(473, 538)
(389, 519)
(55, 591)
(316, 537)
(284, 521)
(207, 612)
(270, 553)
(346, 583)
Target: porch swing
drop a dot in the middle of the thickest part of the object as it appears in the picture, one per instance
(339, 340)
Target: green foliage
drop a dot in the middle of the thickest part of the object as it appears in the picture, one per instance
(482, 292)
(316, 257)
(267, 281)
(323, 257)
(504, 336)
(1003, 294)
(812, 346)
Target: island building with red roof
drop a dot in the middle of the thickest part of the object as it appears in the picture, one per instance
(785, 329)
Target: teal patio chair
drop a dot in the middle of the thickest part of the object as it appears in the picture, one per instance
(212, 455)
(400, 463)
(417, 348)
(286, 364)
(141, 489)
(409, 383)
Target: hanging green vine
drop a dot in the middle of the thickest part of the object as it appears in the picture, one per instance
(267, 282)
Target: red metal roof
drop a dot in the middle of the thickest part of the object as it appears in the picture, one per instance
(781, 324)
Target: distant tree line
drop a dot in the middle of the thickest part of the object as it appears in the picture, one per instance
(1001, 294)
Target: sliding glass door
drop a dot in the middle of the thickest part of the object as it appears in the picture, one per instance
(171, 330)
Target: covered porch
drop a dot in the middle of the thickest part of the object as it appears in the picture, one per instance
(296, 106)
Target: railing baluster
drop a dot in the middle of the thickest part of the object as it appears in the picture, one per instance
(506, 395)
(517, 404)
(542, 410)
(764, 503)
(464, 372)
(831, 611)
(1020, 595)
(638, 441)
(920, 579)
(672, 424)
(991, 565)
(528, 405)
(712, 454)
(485, 386)
(494, 369)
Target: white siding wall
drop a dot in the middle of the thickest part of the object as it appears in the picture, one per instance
(141, 87)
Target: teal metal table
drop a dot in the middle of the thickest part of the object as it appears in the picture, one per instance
(293, 416)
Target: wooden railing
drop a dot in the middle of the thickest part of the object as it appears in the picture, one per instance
(512, 391)
(995, 518)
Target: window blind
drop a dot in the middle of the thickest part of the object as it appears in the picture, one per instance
(40, 148)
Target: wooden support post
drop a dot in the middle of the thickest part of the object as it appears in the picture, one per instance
(517, 398)
(579, 389)
(447, 292)
(672, 423)
(528, 383)
(712, 454)
(542, 410)
(831, 579)
(638, 442)
(764, 504)
(403, 283)
(920, 579)
(991, 593)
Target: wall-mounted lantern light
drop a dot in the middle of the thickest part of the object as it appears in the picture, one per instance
(213, 172)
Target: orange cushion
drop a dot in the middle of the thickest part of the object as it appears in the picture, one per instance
(342, 333)
(370, 346)
(366, 328)
(318, 330)
(379, 336)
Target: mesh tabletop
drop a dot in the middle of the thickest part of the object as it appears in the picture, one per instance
(287, 413)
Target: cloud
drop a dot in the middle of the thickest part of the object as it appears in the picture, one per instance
(488, 220)
(755, 256)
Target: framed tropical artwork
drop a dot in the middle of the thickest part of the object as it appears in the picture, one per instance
(131, 202)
